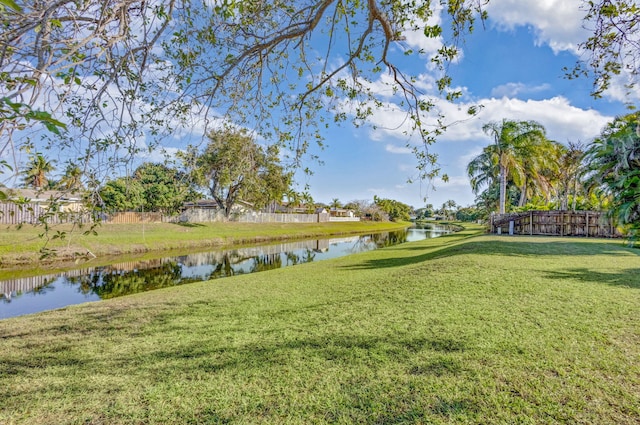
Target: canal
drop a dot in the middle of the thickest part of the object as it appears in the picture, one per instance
(28, 295)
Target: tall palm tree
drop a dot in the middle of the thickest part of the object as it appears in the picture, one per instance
(513, 141)
(566, 176)
(613, 163)
(36, 172)
(482, 171)
(72, 178)
(540, 162)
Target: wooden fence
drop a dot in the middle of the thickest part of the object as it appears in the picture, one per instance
(282, 218)
(555, 223)
(34, 213)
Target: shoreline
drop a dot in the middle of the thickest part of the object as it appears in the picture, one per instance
(160, 239)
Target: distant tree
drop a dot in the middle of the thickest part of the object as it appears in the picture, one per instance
(121, 194)
(566, 178)
(513, 155)
(35, 174)
(469, 214)
(163, 188)
(375, 212)
(308, 202)
(72, 178)
(395, 209)
(613, 161)
(448, 209)
(274, 182)
(234, 167)
(294, 198)
(358, 206)
(335, 203)
(426, 212)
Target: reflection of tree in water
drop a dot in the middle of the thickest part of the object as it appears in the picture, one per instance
(308, 256)
(110, 284)
(224, 268)
(379, 240)
(392, 238)
(293, 259)
(363, 243)
(129, 278)
(266, 262)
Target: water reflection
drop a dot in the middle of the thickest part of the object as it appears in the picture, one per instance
(38, 293)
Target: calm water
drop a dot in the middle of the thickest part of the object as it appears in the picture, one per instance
(47, 292)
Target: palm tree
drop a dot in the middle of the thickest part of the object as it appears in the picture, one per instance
(613, 162)
(513, 141)
(566, 176)
(539, 158)
(294, 199)
(72, 179)
(482, 171)
(36, 172)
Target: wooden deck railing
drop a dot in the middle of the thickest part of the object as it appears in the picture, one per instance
(555, 223)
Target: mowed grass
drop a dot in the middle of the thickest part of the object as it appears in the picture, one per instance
(457, 329)
(23, 245)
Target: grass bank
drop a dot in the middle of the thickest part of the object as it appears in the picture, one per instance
(456, 329)
(19, 246)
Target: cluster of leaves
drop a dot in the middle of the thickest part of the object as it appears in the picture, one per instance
(17, 111)
(614, 169)
(614, 47)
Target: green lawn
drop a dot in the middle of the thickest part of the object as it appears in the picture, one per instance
(457, 329)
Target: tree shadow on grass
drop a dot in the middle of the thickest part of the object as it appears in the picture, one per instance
(628, 278)
(187, 363)
(187, 224)
(343, 348)
(534, 248)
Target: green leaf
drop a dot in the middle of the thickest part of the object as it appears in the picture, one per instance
(11, 4)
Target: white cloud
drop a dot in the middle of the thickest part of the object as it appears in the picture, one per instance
(397, 149)
(515, 89)
(557, 23)
(563, 121)
(160, 154)
(619, 91)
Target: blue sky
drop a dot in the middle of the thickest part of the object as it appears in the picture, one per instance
(514, 68)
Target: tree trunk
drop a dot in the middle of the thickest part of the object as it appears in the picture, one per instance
(503, 188)
(575, 193)
(523, 194)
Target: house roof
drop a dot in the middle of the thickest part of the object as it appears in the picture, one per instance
(43, 195)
